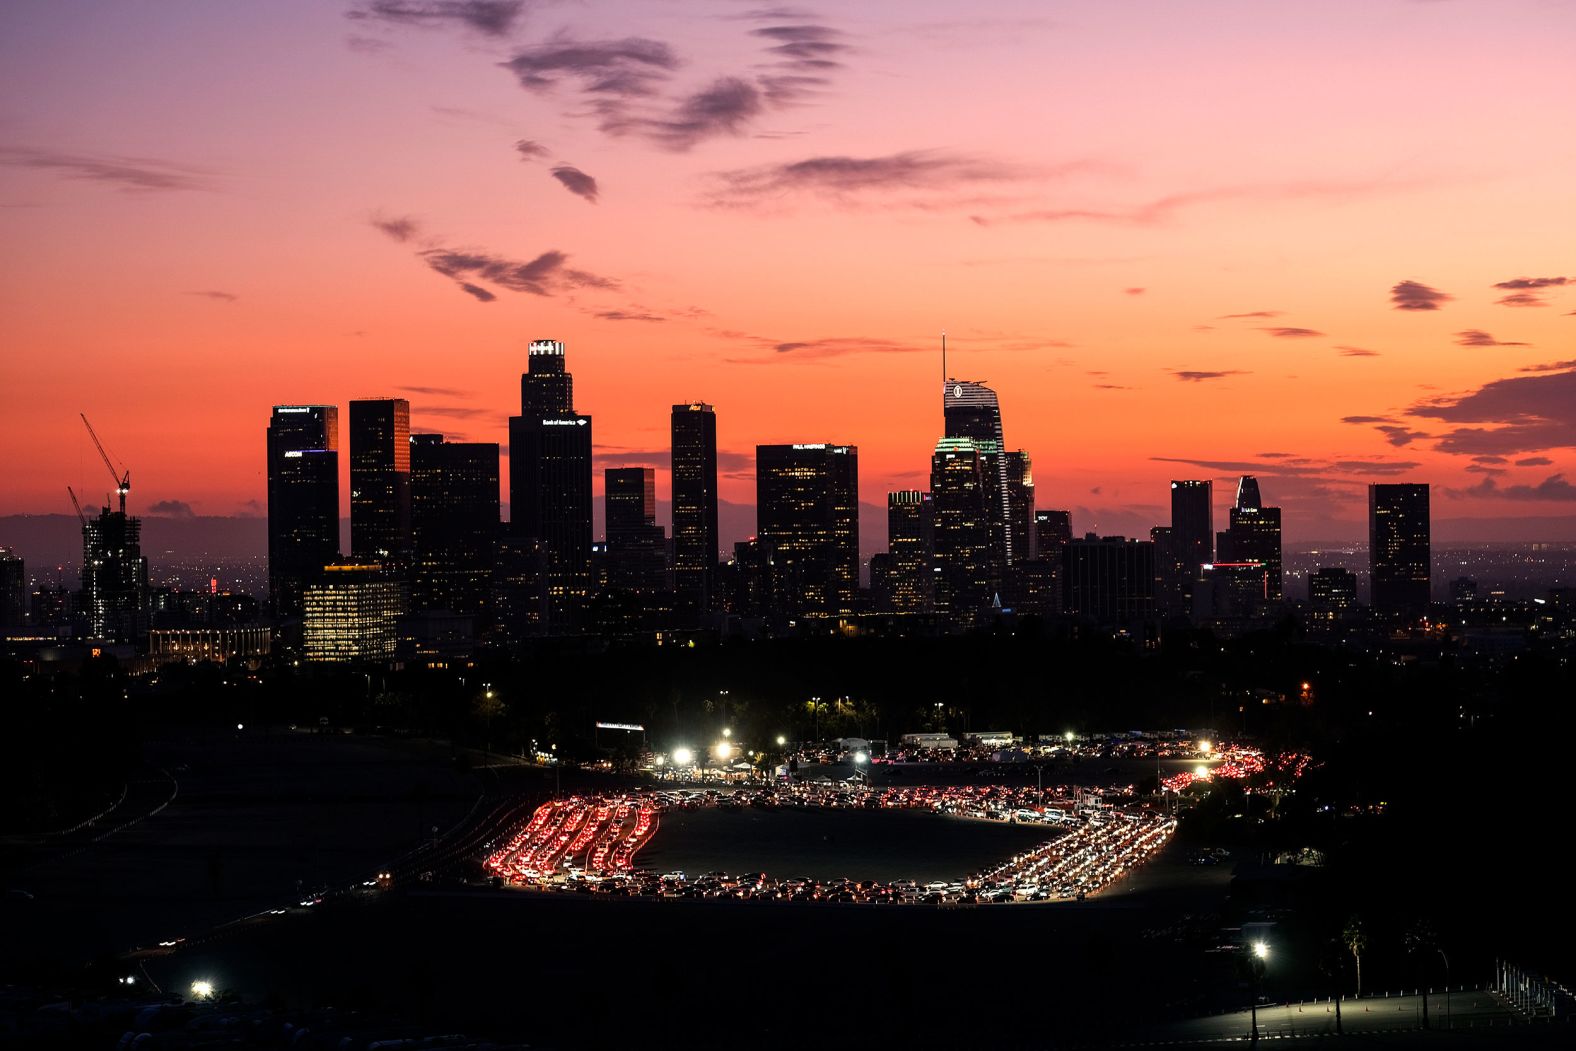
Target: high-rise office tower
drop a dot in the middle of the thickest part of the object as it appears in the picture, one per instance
(971, 410)
(114, 577)
(636, 546)
(454, 523)
(1020, 506)
(1253, 535)
(965, 571)
(909, 545)
(807, 526)
(550, 478)
(694, 473)
(1190, 544)
(303, 499)
(1332, 589)
(1399, 547)
(351, 612)
(13, 591)
(1042, 579)
(380, 479)
(1053, 531)
(1110, 580)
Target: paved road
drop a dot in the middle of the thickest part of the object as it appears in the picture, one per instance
(1467, 1010)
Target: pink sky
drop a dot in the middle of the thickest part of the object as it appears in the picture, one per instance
(790, 205)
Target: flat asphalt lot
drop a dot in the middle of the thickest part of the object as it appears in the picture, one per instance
(219, 827)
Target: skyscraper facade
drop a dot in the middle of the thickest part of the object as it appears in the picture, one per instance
(695, 535)
(550, 478)
(965, 572)
(380, 479)
(636, 545)
(13, 591)
(303, 499)
(971, 410)
(908, 584)
(807, 525)
(1253, 535)
(1191, 543)
(114, 577)
(1400, 554)
(351, 613)
(1110, 580)
(1020, 507)
(454, 523)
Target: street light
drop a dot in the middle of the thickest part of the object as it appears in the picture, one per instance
(683, 757)
(862, 760)
(1261, 952)
(781, 740)
(1206, 747)
(727, 731)
(723, 749)
(202, 989)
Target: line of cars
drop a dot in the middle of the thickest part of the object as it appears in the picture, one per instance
(595, 836)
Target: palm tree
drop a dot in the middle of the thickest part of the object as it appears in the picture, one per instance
(1355, 937)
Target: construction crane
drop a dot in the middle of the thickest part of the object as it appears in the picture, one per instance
(122, 477)
(78, 505)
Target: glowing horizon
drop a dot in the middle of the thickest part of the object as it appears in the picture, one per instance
(1320, 244)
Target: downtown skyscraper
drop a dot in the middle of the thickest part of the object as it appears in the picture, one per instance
(454, 523)
(961, 492)
(550, 478)
(380, 479)
(807, 527)
(971, 410)
(303, 500)
(694, 478)
(909, 580)
(1253, 534)
(1400, 550)
(636, 546)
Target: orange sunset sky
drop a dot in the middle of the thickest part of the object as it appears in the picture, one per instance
(1326, 243)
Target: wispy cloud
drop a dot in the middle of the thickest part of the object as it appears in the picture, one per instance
(1286, 332)
(1201, 376)
(128, 174)
(1520, 284)
(401, 228)
(1519, 414)
(1251, 314)
(1164, 209)
(531, 150)
(627, 315)
(1357, 352)
(844, 179)
(1476, 337)
(490, 17)
(1552, 488)
(171, 509)
(215, 294)
(724, 107)
(1522, 299)
(472, 270)
(576, 182)
(1413, 295)
(436, 392)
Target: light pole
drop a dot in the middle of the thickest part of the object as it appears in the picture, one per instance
(1261, 952)
(862, 765)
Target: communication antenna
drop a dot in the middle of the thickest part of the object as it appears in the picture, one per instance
(943, 357)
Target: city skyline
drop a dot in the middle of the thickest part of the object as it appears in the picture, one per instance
(1293, 309)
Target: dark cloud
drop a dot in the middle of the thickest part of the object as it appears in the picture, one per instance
(436, 392)
(1366, 419)
(803, 55)
(1197, 376)
(1399, 435)
(1519, 414)
(130, 174)
(1357, 352)
(531, 150)
(1476, 337)
(1521, 299)
(1251, 314)
(1518, 284)
(477, 291)
(1489, 459)
(1477, 468)
(546, 275)
(453, 412)
(1111, 386)
(839, 345)
(724, 108)
(365, 45)
(576, 182)
(489, 17)
(171, 509)
(627, 315)
(1381, 467)
(215, 294)
(1552, 488)
(401, 228)
(842, 178)
(1411, 295)
(608, 73)
(1286, 332)
(1534, 461)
